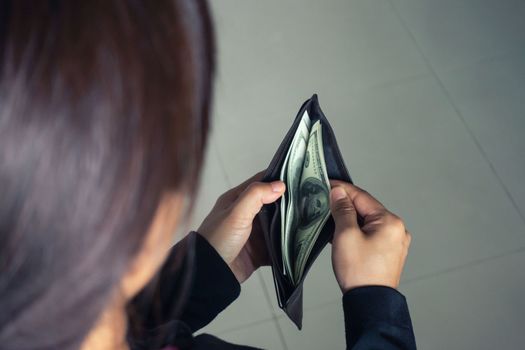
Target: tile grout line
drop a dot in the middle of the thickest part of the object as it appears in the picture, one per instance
(275, 318)
(459, 114)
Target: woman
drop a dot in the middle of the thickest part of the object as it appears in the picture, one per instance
(104, 110)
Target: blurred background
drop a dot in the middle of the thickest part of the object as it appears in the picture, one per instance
(427, 99)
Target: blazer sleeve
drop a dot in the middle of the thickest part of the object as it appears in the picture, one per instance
(193, 287)
(213, 289)
(377, 317)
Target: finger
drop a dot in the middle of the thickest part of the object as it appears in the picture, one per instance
(257, 194)
(365, 204)
(342, 208)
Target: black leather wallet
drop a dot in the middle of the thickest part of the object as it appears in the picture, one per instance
(289, 296)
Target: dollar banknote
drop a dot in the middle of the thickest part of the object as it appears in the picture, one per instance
(291, 175)
(305, 204)
(311, 206)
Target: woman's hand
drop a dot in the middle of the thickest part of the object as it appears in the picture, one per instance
(373, 254)
(230, 226)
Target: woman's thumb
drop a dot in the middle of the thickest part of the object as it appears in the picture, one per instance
(343, 210)
(257, 194)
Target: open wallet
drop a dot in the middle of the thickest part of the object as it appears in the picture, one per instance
(289, 291)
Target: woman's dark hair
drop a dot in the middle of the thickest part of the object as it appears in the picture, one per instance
(104, 107)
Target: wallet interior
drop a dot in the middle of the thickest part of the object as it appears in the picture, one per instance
(289, 295)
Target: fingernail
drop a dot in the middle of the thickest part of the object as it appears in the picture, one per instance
(277, 186)
(338, 193)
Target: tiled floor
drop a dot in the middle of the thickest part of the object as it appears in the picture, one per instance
(427, 99)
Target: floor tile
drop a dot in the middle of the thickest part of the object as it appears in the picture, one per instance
(264, 335)
(491, 98)
(273, 55)
(457, 33)
(310, 44)
(480, 307)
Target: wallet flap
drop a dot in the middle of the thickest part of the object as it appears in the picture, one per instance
(290, 297)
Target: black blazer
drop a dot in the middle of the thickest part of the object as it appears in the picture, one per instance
(167, 313)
